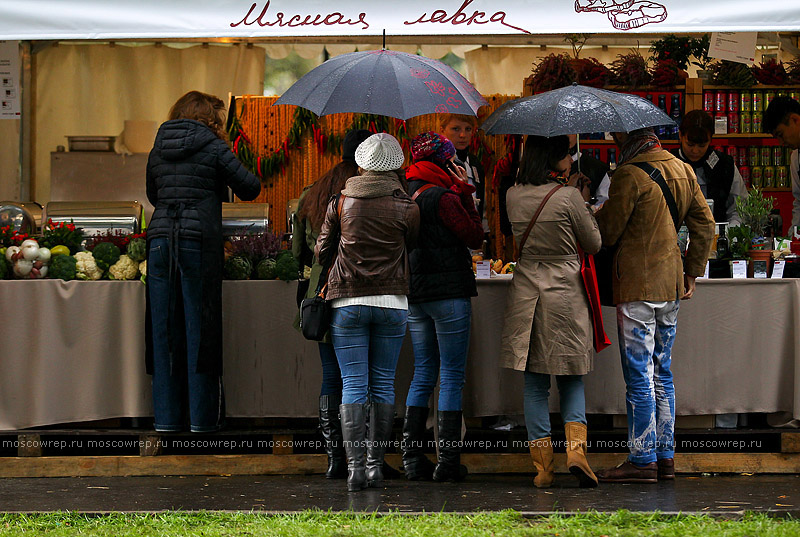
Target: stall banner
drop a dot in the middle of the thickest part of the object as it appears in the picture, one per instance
(143, 19)
(9, 80)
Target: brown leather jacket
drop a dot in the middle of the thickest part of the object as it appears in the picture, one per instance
(372, 255)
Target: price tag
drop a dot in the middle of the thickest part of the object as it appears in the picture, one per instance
(777, 268)
(484, 270)
(739, 268)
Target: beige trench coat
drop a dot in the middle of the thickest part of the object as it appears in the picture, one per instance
(547, 323)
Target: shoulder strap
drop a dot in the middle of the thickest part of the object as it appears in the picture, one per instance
(533, 220)
(420, 190)
(655, 175)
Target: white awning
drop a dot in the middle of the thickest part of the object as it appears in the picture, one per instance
(245, 19)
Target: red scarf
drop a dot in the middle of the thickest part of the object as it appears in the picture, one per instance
(431, 173)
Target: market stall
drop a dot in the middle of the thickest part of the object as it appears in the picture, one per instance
(75, 352)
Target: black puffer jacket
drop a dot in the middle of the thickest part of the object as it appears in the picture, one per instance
(189, 163)
(188, 173)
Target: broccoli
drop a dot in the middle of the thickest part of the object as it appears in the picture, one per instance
(238, 268)
(105, 254)
(282, 254)
(137, 249)
(266, 269)
(64, 267)
(286, 267)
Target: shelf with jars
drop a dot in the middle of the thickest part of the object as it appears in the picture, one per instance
(761, 160)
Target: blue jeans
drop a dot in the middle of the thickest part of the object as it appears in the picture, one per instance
(537, 411)
(173, 385)
(367, 340)
(331, 375)
(646, 334)
(440, 336)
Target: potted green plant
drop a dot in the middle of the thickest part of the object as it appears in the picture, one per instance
(701, 60)
(672, 47)
(748, 238)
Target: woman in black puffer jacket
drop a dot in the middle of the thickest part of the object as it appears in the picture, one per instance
(188, 174)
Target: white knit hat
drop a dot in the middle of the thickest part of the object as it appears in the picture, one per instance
(381, 153)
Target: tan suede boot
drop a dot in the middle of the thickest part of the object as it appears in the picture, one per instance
(576, 454)
(542, 455)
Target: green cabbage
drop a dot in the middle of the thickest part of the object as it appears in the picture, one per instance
(266, 269)
(287, 267)
(238, 268)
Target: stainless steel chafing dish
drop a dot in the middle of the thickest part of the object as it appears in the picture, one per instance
(25, 217)
(97, 217)
(238, 218)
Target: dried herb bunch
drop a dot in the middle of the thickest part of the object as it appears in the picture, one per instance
(553, 72)
(590, 72)
(631, 70)
(727, 73)
(771, 72)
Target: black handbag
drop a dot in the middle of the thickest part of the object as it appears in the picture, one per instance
(315, 317)
(315, 311)
(604, 259)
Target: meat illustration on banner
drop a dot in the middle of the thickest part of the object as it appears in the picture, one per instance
(625, 14)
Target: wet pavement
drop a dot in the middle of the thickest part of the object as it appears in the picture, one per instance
(718, 495)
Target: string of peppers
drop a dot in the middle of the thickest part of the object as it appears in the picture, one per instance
(303, 122)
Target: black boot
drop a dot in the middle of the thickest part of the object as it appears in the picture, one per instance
(331, 428)
(449, 467)
(418, 467)
(354, 433)
(381, 419)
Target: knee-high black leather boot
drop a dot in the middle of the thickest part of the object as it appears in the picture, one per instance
(331, 428)
(354, 433)
(381, 419)
(418, 467)
(449, 467)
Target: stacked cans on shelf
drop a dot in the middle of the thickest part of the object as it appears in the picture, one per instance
(762, 166)
(744, 109)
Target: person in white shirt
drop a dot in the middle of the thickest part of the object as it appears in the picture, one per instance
(782, 119)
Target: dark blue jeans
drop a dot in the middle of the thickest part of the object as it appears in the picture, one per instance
(331, 375)
(172, 386)
(367, 340)
(440, 336)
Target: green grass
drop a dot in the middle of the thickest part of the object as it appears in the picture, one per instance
(317, 523)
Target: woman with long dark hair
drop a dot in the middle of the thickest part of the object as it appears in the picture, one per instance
(307, 224)
(548, 328)
(188, 174)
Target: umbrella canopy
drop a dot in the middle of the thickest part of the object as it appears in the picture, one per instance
(573, 110)
(386, 83)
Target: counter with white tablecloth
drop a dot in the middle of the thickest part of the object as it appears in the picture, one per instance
(74, 351)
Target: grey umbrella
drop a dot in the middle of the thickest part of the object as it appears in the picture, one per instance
(573, 110)
(384, 82)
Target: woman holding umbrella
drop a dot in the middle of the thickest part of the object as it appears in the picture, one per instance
(548, 327)
(442, 283)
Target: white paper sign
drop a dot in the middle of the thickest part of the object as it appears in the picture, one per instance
(739, 268)
(777, 268)
(734, 46)
(9, 80)
(484, 270)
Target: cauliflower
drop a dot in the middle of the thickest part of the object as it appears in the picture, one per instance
(87, 268)
(143, 267)
(124, 269)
